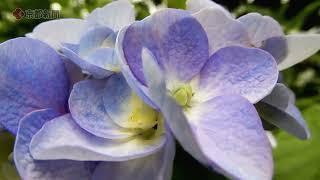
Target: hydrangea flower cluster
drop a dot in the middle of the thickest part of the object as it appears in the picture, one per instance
(106, 96)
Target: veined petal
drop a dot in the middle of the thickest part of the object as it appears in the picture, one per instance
(261, 27)
(222, 30)
(114, 15)
(241, 152)
(62, 138)
(249, 72)
(59, 31)
(177, 40)
(278, 109)
(88, 110)
(157, 166)
(30, 169)
(300, 47)
(95, 38)
(32, 77)
(195, 6)
(70, 51)
(231, 135)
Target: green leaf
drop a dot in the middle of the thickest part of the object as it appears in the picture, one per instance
(295, 159)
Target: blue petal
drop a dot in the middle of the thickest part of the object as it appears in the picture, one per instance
(177, 40)
(96, 71)
(195, 6)
(95, 38)
(105, 58)
(249, 72)
(29, 168)
(157, 166)
(88, 110)
(32, 77)
(62, 138)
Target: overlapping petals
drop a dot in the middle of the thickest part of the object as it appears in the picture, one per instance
(279, 109)
(32, 77)
(29, 168)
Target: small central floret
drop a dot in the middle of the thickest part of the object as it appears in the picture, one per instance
(183, 95)
(143, 116)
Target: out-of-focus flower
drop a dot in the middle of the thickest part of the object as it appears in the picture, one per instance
(108, 128)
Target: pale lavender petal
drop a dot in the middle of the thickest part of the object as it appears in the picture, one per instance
(195, 6)
(32, 77)
(177, 40)
(231, 135)
(157, 166)
(114, 15)
(300, 47)
(222, 30)
(95, 38)
(96, 71)
(88, 110)
(62, 138)
(30, 169)
(59, 31)
(249, 72)
(261, 27)
(279, 109)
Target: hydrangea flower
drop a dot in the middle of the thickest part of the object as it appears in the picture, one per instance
(108, 127)
(89, 43)
(204, 71)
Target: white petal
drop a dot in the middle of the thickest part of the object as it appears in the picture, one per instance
(300, 47)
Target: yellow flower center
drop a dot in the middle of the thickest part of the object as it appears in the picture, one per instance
(183, 95)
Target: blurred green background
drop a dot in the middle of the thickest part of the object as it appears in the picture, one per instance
(294, 159)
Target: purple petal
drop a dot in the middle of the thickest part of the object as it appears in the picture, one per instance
(62, 138)
(239, 148)
(139, 88)
(88, 110)
(195, 6)
(96, 71)
(261, 28)
(231, 135)
(249, 72)
(32, 77)
(95, 38)
(177, 40)
(157, 166)
(29, 168)
(59, 31)
(277, 47)
(222, 30)
(278, 109)
(114, 15)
